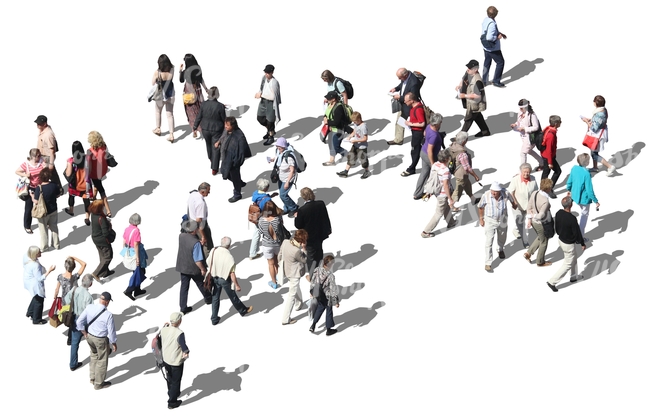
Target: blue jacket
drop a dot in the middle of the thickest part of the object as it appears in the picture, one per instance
(579, 184)
(260, 198)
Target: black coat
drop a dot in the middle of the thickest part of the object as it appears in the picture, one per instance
(313, 218)
(234, 150)
(211, 116)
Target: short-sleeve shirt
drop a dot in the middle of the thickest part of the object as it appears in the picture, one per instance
(417, 116)
(337, 86)
(67, 284)
(443, 175)
(46, 142)
(196, 206)
(33, 171)
(133, 238)
(432, 138)
(359, 132)
(496, 208)
(286, 162)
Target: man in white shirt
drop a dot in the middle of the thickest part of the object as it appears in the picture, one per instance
(197, 210)
(97, 326)
(493, 215)
(268, 112)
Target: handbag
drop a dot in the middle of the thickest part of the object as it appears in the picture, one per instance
(129, 254)
(189, 98)
(39, 210)
(395, 106)
(207, 282)
(22, 188)
(592, 141)
(53, 314)
(156, 92)
(548, 226)
(487, 44)
(110, 160)
(67, 316)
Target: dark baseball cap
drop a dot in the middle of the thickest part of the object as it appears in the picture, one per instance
(107, 296)
(472, 64)
(269, 69)
(331, 95)
(40, 120)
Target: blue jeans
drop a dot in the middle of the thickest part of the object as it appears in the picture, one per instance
(255, 243)
(335, 144)
(289, 205)
(497, 57)
(74, 346)
(329, 314)
(218, 284)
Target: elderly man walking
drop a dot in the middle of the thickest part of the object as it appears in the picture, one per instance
(174, 352)
(493, 216)
(221, 268)
(568, 233)
(190, 263)
(98, 327)
(522, 187)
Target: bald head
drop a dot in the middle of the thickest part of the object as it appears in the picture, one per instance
(402, 73)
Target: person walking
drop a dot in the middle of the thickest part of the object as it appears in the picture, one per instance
(174, 352)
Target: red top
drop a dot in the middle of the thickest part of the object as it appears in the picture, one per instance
(550, 141)
(97, 162)
(417, 116)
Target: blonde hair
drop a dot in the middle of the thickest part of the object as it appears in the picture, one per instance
(356, 116)
(96, 140)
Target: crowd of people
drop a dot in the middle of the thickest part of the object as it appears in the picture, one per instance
(445, 175)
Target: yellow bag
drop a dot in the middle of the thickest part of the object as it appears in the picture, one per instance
(189, 98)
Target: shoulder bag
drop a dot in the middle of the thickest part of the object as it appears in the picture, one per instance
(549, 226)
(39, 210)
(67, 317)
(156, 92)
(128, 253)
(207, 281)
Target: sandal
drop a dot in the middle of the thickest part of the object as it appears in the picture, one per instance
(69, 212)
(156, 131)
(28, 231)
(406, 173)
(170, 139)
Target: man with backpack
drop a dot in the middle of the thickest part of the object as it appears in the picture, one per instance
(408, 83)
(285, 167)
(174, 352)
(337, 117)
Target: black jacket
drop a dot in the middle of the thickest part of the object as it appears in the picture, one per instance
(313, 218)
(412, 85)
(234, 150)
(211, 116)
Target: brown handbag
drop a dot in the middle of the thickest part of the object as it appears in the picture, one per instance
(68, 316)
(39, 210)
(207, 282)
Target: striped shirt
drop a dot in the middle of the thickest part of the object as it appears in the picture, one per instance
(496, 208)
(263, 226)
(33, 172)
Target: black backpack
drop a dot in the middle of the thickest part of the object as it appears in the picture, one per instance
(536, 138)
(420, 76)
(349, 90)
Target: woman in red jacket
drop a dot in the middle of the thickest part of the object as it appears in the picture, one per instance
(97, 165)
(549, 143)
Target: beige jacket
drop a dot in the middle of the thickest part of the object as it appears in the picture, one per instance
(294, 258)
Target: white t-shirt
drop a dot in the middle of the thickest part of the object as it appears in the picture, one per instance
(283, 168)
(360, 131)
(267, 91)
(196, 206)
(443, 175)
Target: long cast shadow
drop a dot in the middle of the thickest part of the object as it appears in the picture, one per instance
(376, 125)
(214, 382)
(134, 367)
(185, 128)
(134, 340)
(618, 220)
(346, 292)
(356, 317)
(522, 69)
(451, 123)
(131, 312)
(389, 162)
(300, 128)
(162, 282)
(623, 158)
(246, 287)
(351, 260)
(596, 265)
(327, 195)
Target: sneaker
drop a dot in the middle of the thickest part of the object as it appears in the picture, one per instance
(269, 141)
(498, 85)
(75, 367)
(129, 295)
(553, 288)
(343, 173)
(365, 175)
(274, 285)
(291, 322)
(611, 170)
(594, 170)
(488, 268)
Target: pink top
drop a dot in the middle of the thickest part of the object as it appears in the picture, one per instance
(134, 238)
(33, 171)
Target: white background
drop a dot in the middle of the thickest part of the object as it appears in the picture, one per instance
(449, 338)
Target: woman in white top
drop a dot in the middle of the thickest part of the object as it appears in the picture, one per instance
(527, 122)
(444, 203)
(165, 75)
(269, 225)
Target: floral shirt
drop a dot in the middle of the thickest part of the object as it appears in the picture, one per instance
(328, 283)
(67, 284)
